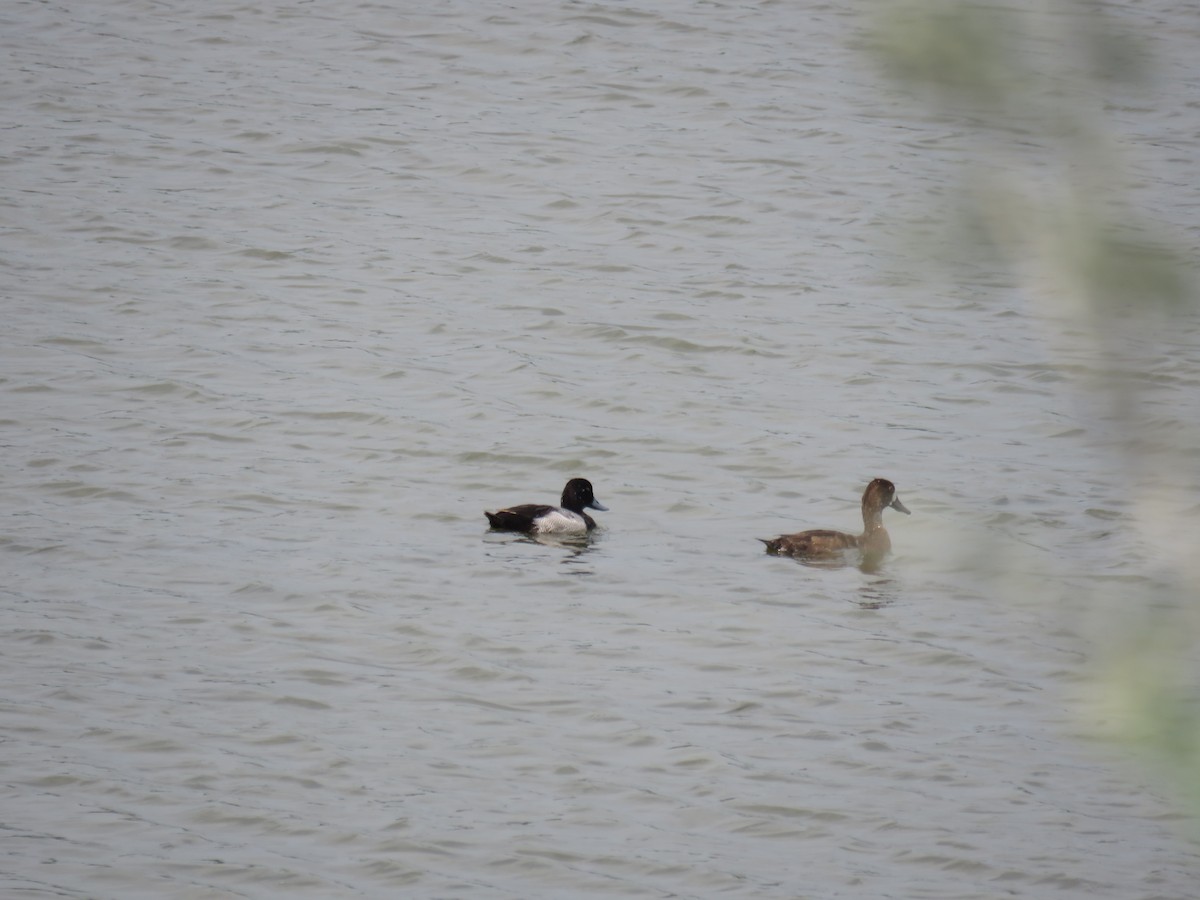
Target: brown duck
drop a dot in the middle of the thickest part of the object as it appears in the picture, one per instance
(874, 540)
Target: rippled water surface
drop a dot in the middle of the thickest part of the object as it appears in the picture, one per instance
(293, 292)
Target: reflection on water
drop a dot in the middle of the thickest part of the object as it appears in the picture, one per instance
(874, 594)
(863, 561)
(578, 543)
(574, 547)
(877, 594)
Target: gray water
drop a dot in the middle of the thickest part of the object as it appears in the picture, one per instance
(293, 292)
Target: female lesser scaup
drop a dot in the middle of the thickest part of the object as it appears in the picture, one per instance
(567, 519)
(874, 540)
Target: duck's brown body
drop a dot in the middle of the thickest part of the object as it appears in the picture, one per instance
(874, 540)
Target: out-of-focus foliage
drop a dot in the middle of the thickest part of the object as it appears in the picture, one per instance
(1044, 195)
(1055, 200)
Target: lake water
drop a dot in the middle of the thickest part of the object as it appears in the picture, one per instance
(293, 292)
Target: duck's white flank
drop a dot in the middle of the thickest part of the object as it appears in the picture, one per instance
(560, 521)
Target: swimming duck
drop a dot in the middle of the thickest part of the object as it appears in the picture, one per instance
(569, 518)
(874, 540)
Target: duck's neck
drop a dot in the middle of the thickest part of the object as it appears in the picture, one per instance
(872, 519)
(875, 539)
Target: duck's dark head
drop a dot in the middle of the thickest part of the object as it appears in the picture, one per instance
(880, 494)
(577, 496)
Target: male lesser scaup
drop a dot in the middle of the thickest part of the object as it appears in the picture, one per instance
(874, 540)
(570, 518)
